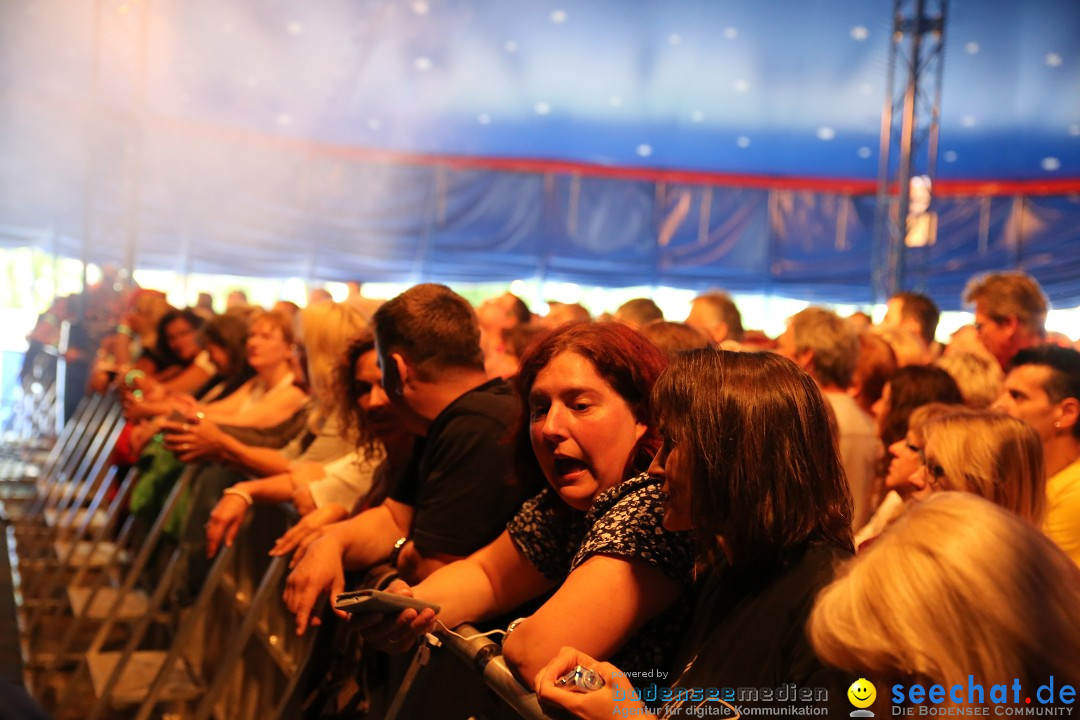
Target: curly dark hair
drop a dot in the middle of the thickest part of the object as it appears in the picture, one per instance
(354, 419)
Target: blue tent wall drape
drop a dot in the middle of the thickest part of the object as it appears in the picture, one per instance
(712, 236)
(302, 214)
(343, 140)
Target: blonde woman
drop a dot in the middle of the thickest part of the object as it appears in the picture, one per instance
(272, 395)
(958, 587)
(906, 459)
(327, 330)
(269, 398)
(988, 454)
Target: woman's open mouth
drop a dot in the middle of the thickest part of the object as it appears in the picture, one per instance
(568, 467)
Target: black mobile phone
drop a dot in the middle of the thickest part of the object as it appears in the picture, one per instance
(377, 601)
(391, 378)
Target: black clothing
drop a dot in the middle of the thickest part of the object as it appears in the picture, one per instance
(625, 521)
(460, 479)
(749, 631)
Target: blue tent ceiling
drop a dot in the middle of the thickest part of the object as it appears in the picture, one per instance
(251, 136)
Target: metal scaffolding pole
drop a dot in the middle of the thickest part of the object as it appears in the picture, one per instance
(909, 131)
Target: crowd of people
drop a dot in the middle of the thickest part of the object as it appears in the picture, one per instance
(683, 505)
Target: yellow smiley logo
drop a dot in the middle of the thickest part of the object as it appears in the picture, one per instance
(862, 693)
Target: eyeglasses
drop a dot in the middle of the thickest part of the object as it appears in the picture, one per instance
(933, 467)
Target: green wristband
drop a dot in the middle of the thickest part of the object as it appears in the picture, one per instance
(132, 375)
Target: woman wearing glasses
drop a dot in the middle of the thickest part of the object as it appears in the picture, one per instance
(987, 454)
(905, 459)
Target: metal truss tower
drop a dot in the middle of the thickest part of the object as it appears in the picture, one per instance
(909, 131)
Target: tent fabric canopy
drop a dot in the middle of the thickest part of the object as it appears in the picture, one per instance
(672, 144)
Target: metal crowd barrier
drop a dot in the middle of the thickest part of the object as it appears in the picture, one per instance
(233, 654)
(29, 423)
(254, 662)
(80, 566)
(482, 659)
(230, 655)
(249, 645)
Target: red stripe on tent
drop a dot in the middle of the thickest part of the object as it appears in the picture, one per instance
(840, 186)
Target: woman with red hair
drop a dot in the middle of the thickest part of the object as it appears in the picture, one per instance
(751, 468)
(595, 532)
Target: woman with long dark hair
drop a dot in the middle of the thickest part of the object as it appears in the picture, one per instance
(751, 468)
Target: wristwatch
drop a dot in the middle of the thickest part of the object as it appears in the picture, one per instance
(397, 550)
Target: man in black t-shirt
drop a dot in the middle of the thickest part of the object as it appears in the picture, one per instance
(458, 491)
